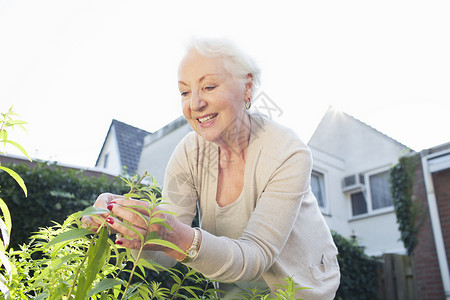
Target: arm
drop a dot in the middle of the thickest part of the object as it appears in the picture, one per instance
(269, 227)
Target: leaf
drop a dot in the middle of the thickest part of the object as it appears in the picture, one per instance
(72, 234)
(16, 177)
(91, 210)
(3, 135)
(165, 244)
(4, 288)
(15, 122)
(141, 237)
(104, 285)
(5, 234)
(6, 214)
(18, 146)
(7, 265)
(96, 258)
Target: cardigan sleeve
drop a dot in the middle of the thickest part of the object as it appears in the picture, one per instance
(286, 182)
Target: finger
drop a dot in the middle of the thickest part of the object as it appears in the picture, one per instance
(130, 244)
(141, 206)
(90, 223)
(127, 230)
(129, 214)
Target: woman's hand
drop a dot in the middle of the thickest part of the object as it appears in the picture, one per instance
(103, 200)
(122, 214)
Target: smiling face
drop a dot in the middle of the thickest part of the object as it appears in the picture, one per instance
(212, 100)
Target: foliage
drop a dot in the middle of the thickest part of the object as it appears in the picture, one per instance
(359, 278)
(53, 193)
(7, 122)
(409, 212)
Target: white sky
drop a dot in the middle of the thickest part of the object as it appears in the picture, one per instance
(70, 67)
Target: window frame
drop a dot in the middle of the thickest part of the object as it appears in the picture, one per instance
(324, 188)
(366, 190)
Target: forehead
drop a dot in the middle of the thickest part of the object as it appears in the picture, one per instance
(194, 66)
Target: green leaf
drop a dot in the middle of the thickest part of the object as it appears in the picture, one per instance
(18, 146)
(7, 265)
(164, 243)
(91, 210)
(5, 235)
(4, 288)
(71, 234)
(6, 215)
(3, 135)
(15, 122)
(104, 285)
(96, 257)
(16, 177)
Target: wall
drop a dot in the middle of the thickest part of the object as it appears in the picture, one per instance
(427, 273)
(156, 154)
(111, 148)
(348, 146)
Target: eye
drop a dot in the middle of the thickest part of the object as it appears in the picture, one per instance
(210, 87)
(183, 94)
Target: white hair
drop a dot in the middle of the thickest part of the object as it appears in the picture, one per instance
(235, 61)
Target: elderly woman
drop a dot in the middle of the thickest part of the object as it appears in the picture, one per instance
(250, 179)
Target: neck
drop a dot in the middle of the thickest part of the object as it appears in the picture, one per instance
(234, 144)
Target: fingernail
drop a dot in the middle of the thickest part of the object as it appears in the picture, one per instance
(110, 220)
(119, 242)
(112, 202)
(109, 207)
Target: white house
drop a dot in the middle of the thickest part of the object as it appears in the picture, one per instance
(349, 178)
(351, 181)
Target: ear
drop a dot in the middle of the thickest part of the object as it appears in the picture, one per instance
(248, 86)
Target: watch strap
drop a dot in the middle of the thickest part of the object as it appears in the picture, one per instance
(194, 247)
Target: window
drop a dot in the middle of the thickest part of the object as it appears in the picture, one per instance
(380, 190)
(105, 160)
(374, 196)
(359, 204)
(317, 186)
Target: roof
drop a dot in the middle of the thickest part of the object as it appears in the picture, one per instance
(332, 110)
(130, 140)
(175, 124)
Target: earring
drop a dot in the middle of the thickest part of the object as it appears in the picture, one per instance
(248, 104)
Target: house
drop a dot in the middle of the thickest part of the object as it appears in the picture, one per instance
(431, 255)
(350, 175)
(350, 178)
(122, 148)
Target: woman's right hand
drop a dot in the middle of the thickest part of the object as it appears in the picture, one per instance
(93, 222)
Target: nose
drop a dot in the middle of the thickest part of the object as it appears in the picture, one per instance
(197, 102)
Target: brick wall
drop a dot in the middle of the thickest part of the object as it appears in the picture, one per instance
(441, 182)
(427, 273)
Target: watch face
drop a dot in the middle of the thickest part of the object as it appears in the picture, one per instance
(192, 253)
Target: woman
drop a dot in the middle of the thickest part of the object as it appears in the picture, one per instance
(250, 178)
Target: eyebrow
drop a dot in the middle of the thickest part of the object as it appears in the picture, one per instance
(201, 78)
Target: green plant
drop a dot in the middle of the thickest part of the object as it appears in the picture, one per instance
(53, 194)
(408, 211)
(8, 122)
(359, 277)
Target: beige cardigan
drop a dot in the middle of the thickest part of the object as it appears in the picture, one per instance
(286, 234)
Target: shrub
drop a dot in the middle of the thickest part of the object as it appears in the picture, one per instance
(359, 278)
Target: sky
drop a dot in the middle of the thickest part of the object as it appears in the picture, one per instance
(70, 67)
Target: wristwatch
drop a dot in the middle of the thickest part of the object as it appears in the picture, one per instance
(192, 251)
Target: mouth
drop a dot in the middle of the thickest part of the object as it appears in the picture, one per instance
(206, 119)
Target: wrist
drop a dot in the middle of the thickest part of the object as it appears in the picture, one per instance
(192, 250)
